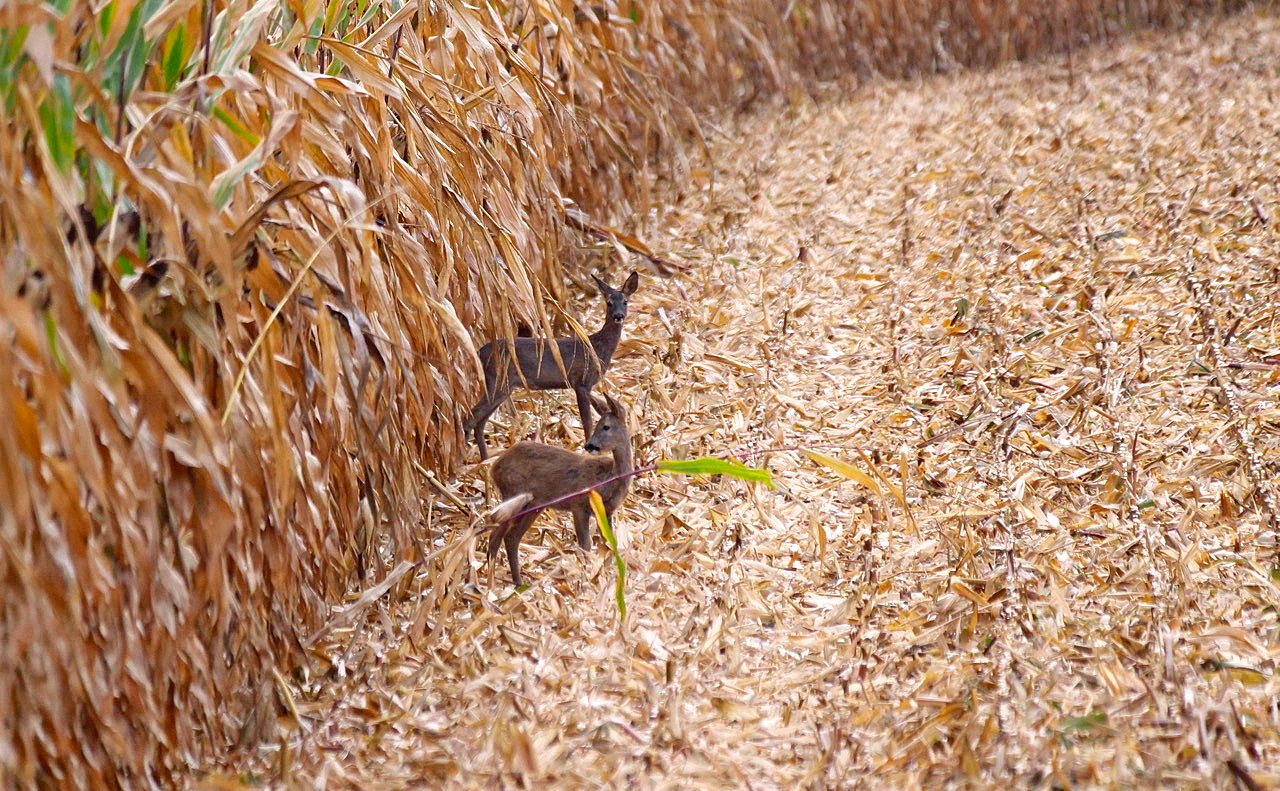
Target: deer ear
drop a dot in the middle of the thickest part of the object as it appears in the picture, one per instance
(601, 406)
(603, 286)
(615, 408)
(630, 287)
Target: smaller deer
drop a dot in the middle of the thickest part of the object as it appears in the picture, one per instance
(549, 473)
(530, 363)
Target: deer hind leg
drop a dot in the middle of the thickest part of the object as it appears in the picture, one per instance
(583, 392)
(511, 539)
(480, 415)
(496, 536)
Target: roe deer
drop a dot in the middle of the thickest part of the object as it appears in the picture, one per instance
(530, 363)
(549, 473)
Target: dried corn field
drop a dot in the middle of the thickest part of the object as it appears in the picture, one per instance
(1034, 312)
(248, 248)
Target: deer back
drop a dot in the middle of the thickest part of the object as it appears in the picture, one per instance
(531, 363)
(549, 473)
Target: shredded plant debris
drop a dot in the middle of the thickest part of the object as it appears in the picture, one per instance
(1007, 342)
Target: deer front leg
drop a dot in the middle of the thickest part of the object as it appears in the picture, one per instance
(582, 526)
(583, 392)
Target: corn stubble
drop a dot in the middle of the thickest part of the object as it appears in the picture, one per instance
(247, 259)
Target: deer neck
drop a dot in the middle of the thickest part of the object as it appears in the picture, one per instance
(614, 493)
(622, 462)
(605, 340)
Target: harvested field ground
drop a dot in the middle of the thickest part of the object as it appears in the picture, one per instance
(1035, 310)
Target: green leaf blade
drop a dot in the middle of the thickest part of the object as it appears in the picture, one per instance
(58, 117)
(606, 529)
(713, 466)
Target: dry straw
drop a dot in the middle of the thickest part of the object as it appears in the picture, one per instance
(248, 249)
(1034, 325)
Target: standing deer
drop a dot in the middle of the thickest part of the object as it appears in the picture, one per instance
(530, 363)
(548, 473)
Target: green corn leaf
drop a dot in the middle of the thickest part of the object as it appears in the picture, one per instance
(602, 519)
(1085, 723)
(12, 57)
(335, 11)
(713, 466)
(106, 18)
(11, 43)
(236, 127)
(1081, 727)
(51, 334)
(313, 35)
(367, 13)
(58, 117)
(176, 53)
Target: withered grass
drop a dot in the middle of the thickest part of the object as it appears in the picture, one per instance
(1038, 316)
(241, 404)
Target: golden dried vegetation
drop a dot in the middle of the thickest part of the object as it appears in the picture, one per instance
(1031, 314)
(249, 249)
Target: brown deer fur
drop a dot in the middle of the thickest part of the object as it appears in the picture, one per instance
(531, 363)
(549, 473)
